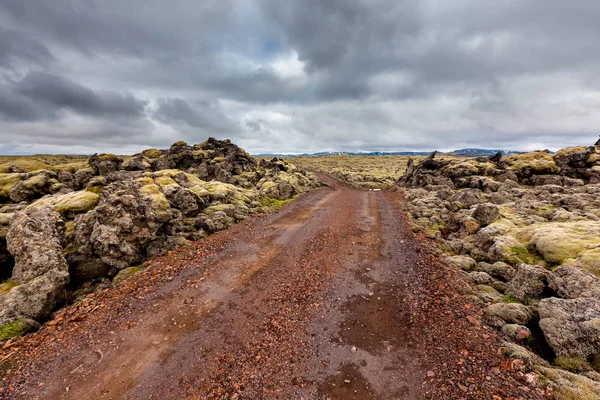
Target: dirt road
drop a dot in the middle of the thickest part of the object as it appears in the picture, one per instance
(326, 299)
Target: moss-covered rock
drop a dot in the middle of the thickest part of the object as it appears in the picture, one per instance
(526, 164)
(125, 274)
(14, 329)
(7, 181)
(68, 204)
(570, 386)
(573, 364)
(559, 241)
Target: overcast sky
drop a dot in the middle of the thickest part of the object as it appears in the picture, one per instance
(81, 76)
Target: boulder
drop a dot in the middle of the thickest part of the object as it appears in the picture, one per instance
(463, 262)
(103, 164)
(138, 163)
(486, 213)
(570, 386)
(572, 326)
(33, 185)
(572, 282)
(516, 332)
(465, 199)
(126, 219)
(512, 313)
(528, 282)
(479, 278)
(35, 240)
(499, 270)
(37, 298)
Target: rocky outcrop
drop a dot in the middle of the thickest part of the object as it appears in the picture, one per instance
(65, 232)
(35, 241)
(526, 228)
(571, 327)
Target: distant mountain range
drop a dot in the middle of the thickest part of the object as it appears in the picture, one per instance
(456, 153)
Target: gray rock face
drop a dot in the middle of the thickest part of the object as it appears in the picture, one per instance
(512, 313)
(188, 202)
(573, 282)
(35, 241)
(528, 282)
(463, 262)
(119, 228)
(571, 327)
(479, 278)
(465, 198)
(103, 164)
(486, 213)
(38, 298)
(498, 270)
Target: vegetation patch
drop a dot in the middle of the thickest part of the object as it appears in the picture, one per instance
(13, 329)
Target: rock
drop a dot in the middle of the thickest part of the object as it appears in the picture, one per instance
(479, 278)
(83, 268)
(559, 241)
(488, 294)
(69, 204)
(571, 327)
(572, 282)
(82, 177)
(471, 225)
(529, 282)
(35, 240)
(124, 274)
(512, 350)
(34, 184)
(498, 270)
(162, 245)
(573, 157)
(125, 221)
(465, 199)
(516, 332)
(463, 262)
(486, 213)
(508, 249)
(36, 299)
(510, 312)
(103, 164)
(220, 221)
(568, 385)
(185, 200)
(526, 164)
(138, 163)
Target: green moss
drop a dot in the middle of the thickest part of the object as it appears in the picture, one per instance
(573, 364)
(7, 181)
(126, 273)
(7, 286)
(152, 153)
(509, 298)
(70, 203)
(269, 203)
(96, 190)
(538, 161)
(165, 181)
(570, 386)
(13, 329)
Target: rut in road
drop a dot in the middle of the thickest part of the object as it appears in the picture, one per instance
(311, 303)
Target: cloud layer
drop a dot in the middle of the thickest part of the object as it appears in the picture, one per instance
(296, 76)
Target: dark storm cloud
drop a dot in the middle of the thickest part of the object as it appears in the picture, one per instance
(40, 95)
(295, 75)
(203, 114)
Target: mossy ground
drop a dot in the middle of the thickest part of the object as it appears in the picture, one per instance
(12, 330)
(269, 203)
(362, 171)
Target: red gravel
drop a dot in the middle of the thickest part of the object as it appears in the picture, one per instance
(332, 297)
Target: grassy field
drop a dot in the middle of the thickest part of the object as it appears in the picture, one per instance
(360, 171)
(43, 161)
